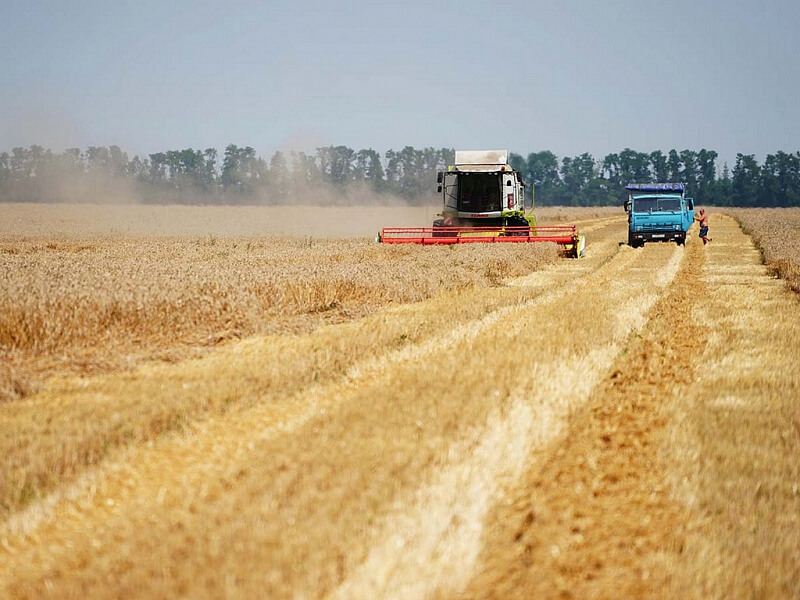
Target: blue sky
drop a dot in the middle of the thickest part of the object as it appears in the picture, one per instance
(570, 76)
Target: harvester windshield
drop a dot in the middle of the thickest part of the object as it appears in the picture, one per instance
(479, 192)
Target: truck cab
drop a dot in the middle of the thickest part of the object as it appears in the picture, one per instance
(482, 189)
(658, 212)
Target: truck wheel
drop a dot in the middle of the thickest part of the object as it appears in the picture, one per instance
(681, 241)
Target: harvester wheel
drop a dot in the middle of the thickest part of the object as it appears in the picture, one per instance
(436, 224)
(518, 222)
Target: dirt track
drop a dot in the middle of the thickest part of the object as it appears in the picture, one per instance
(532, 447)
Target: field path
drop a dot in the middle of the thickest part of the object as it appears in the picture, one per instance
(513, 450)
(593, 511)
(661, 486)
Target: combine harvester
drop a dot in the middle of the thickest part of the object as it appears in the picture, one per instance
(484, 203)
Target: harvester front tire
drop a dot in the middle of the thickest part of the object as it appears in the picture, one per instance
(519, 222)
(436, 224)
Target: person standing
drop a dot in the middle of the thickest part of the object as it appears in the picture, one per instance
(702, 217)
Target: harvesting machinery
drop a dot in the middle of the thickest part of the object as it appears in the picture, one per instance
(658, 212)
(484, 202)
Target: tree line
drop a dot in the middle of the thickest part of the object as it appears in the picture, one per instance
(240, 175)
(584, 181)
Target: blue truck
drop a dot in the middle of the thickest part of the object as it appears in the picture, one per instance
(658, 212)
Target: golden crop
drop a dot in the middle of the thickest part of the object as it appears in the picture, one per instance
(776, 231)
(623, 425)
(96, 304)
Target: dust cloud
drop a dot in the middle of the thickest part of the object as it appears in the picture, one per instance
(295, 220)
(101, 203)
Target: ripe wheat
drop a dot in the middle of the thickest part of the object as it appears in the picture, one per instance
(776, 231)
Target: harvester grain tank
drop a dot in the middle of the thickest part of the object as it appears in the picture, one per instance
(658, 212)
(484, 202)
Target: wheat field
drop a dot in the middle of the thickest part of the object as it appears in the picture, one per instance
(214, 413)
(774, 231)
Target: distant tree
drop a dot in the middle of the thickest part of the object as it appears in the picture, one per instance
(242, 171)
(158, 168)
(780, 180)
(427, 162)
(117, 161)
(659, 167)
(138, 169)
(674, 166)
(279, 176)
(403, 171)
(208, 173)
(336, 164)
(517, 162)
(706, 190)
(237, 172)
(598, 191)
(634, 167)
(745, 181)
(98, 159)
(304, 169)
(368, 168)
(610, 169)
(71, 157)
(447, 157)
(724, 188)
(5, 168)
(20, 163)
(576, 173)
(690, 172)
(188, 170)
(543, 175)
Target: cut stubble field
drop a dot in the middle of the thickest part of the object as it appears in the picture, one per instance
(237, 416)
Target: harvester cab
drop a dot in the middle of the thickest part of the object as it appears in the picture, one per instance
(482, 190)
(483, 200)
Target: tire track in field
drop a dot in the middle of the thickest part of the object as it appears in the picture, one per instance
(76, 423)
(245, 511)
(736, 440)
(244, 480)
(310, 399)
(298, 412)
(433, 542)
(594, 515)
(99, 413)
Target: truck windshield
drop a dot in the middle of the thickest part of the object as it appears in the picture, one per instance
(479, 192)
(641, 205)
